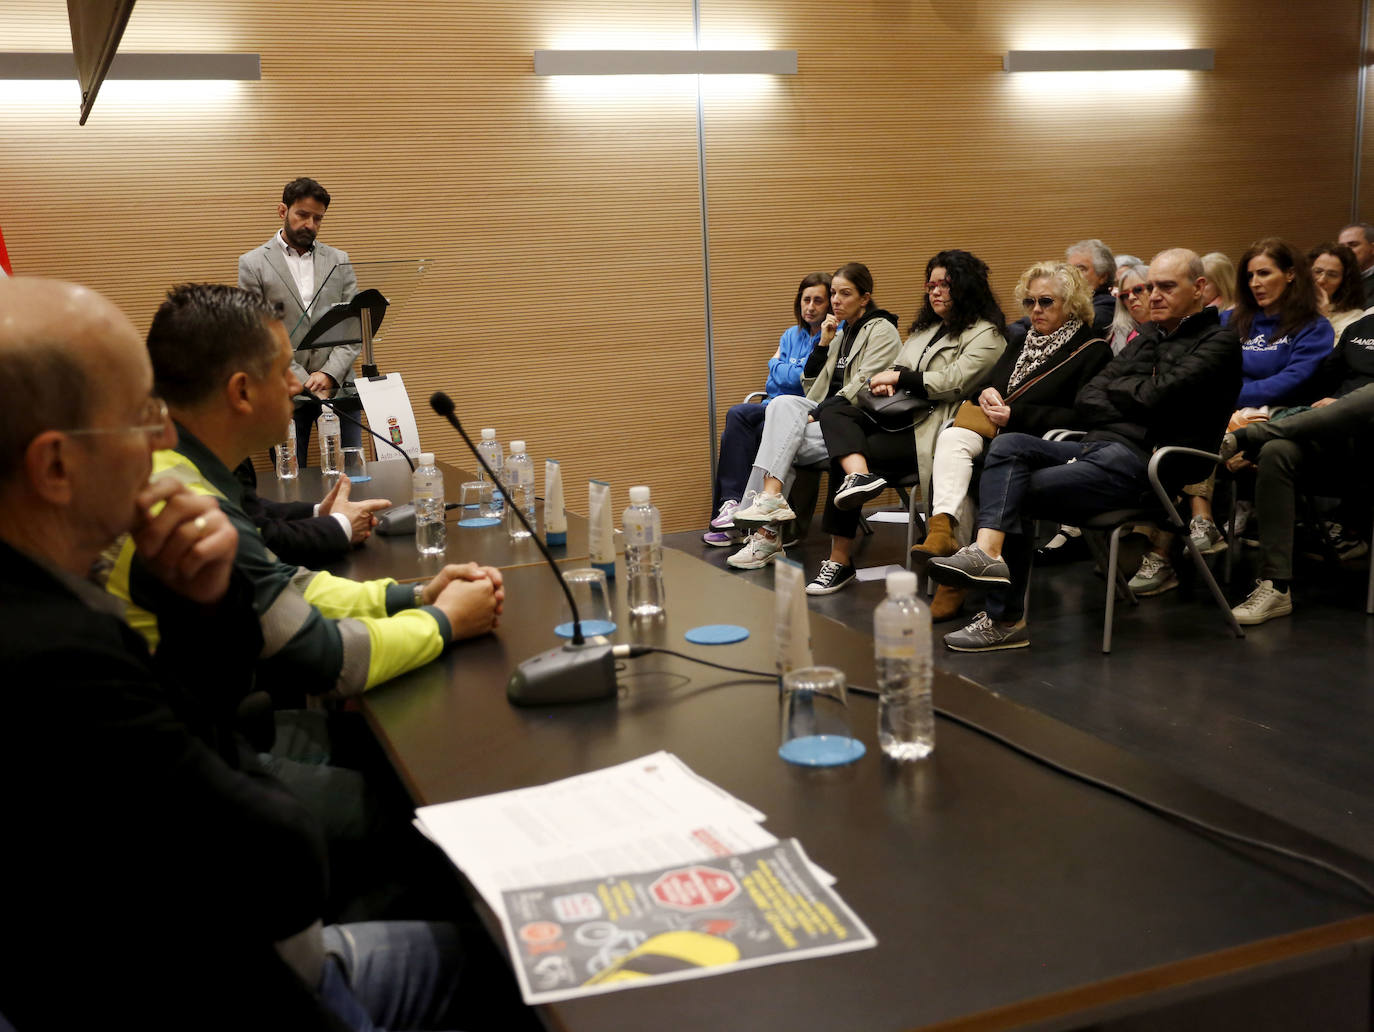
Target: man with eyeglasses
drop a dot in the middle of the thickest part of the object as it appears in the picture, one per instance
(1174, 384)
(155, 876)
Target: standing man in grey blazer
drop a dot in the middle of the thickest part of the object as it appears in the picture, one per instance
(292, 269)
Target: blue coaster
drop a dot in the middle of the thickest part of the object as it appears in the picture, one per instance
(479, 521)
(359, 480)
(822, 751)
(590, 628)
(474, 505)
(717, 634)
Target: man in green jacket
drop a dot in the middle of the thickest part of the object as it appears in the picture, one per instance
(222, 362)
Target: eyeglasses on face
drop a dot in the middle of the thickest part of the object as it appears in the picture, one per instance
(938, 284)
(1031, 303)
(152, 420)
(1330, 274)
(1139, 290)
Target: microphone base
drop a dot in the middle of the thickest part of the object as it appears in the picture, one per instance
(569, 673)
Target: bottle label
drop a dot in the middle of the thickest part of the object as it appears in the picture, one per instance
(900, 644)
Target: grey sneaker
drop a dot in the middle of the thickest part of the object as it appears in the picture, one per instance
(987, 635)
(1206, 535)
(1264, 603)
(967, 568)
(765, 508)
(1155, 576)
(758, 552)
(859, 488)
(832, 577)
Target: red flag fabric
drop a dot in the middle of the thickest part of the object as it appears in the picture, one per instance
(4, 257)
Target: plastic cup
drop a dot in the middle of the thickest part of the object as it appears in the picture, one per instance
(470, 495)
(355, 465)
(588, 588)
(815, 719)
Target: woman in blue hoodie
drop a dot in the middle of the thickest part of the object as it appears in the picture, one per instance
(1283, 337)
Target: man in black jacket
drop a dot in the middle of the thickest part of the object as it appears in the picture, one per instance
(155, 876)
(305, 533)
(1174, 384)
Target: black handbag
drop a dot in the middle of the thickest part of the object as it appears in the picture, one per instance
(899, 411)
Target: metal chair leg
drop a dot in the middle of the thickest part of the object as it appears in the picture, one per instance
(1114, 550)
(1206, 574)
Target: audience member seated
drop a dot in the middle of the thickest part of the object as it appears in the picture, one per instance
(1030, 390)
(1171, 386)
(1284, 338)
(1316, 448)
(158, 878)
(858, 339)
(1359, 237)
(1220, 273)
(1132, 303)
(1340, 291)
(955, 340)
(305, 533)
(222, 361)
(1093, 259)
(739, 441)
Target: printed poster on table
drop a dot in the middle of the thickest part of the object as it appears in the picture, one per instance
(389, 413)
(691, 920)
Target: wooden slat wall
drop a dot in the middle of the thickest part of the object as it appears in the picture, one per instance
(565, 303)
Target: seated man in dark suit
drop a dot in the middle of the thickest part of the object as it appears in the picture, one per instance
(1173, 384)
(305, 533)
(156, 877)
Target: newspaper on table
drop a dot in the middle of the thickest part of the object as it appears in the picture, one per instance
(693, 920)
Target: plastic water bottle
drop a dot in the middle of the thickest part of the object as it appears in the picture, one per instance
(288, 465)
(519, 478)
(427, 493)
(490, 449)
(901, 642)
(643, 555)
(331, 452)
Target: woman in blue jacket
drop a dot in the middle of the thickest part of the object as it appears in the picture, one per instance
(1283, 336)
(739, 442)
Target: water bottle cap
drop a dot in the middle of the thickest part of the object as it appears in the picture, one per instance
(901, 582)
(639, 495)
(426, 458)
(488, 433)
(516, 447)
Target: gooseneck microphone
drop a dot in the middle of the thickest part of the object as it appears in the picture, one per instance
(575, 672)
(358, 423)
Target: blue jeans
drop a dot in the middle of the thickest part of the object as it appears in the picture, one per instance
(1026, 478)
(391, 974)
(739, 443)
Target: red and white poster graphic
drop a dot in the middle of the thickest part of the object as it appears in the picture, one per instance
(5, 269)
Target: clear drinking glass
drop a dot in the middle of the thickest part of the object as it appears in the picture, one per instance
(470, 497)
(588, 588)
(355, 465)
(815, 719)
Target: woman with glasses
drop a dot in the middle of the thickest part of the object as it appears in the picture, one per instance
(1030, 390)
(1132, 302)
(954, 342)
(1340, 288)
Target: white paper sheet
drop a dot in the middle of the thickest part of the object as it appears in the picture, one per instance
(389, 413)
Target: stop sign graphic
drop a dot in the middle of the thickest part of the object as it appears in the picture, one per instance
(695, 888)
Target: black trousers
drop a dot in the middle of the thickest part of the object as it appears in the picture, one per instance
(847, 431)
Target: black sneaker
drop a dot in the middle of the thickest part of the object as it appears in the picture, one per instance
(832, 577)
(858, 488)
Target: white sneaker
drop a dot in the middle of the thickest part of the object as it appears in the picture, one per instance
(765, 508)
(758, 552)
(1264, 603)
(1154, 576)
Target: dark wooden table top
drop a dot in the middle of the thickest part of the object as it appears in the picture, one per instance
(396, 556)
(1001, 892)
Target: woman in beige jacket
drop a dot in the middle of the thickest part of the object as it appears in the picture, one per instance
(953, 344)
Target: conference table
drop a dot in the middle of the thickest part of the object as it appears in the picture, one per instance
(1002, 892)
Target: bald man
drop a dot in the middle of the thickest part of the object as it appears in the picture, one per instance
(154, 876)
(1174, 384)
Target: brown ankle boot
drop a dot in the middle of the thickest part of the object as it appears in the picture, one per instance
(939, 539)
(946, 603)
